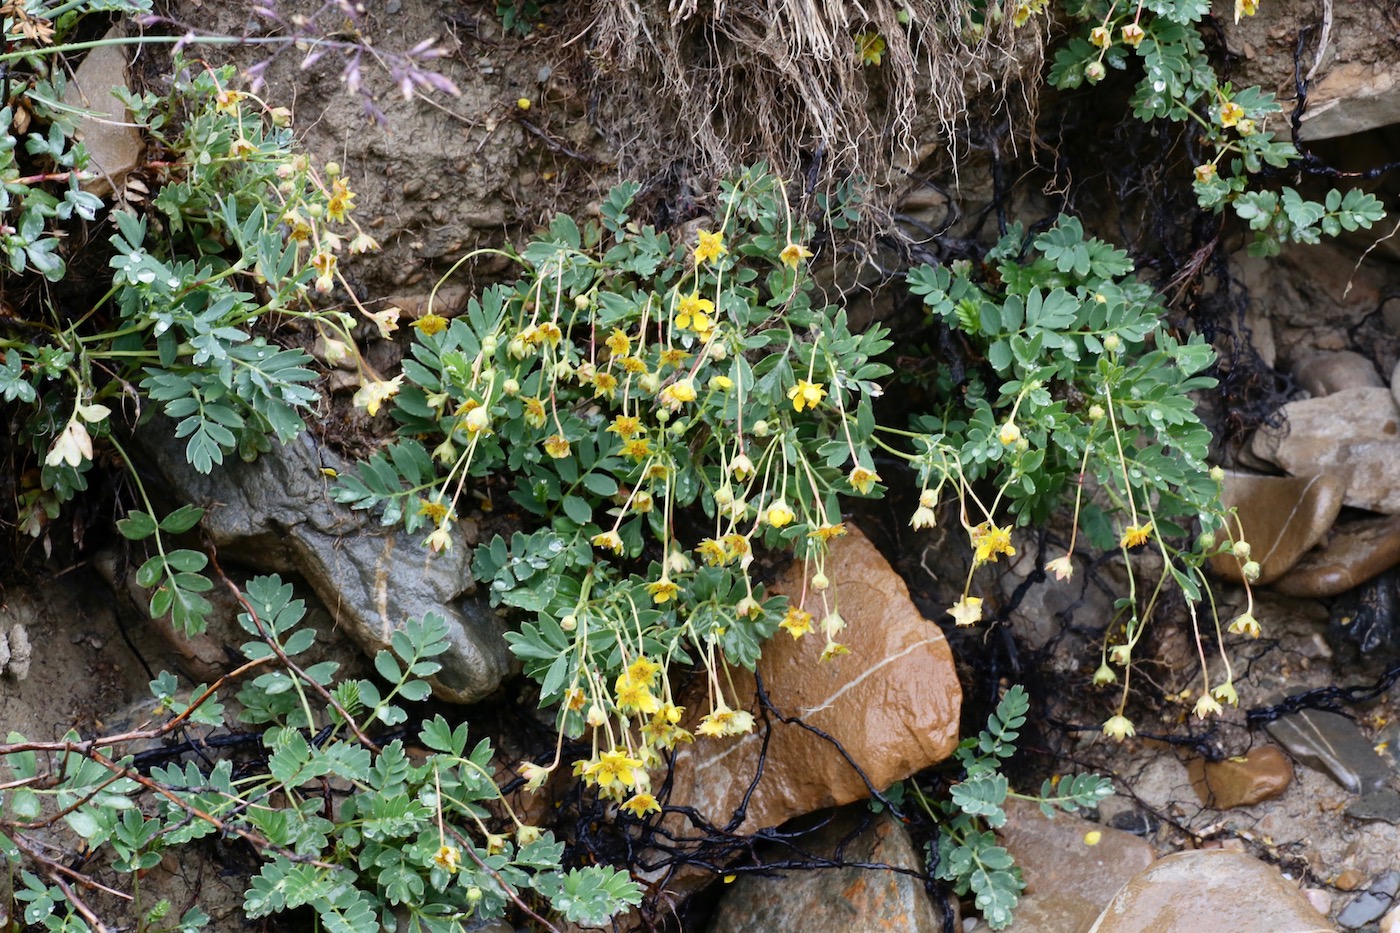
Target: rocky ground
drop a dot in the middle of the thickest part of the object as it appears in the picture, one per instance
(1282, 817)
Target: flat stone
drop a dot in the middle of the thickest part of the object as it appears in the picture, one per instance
(1261, 774)
(1382, 806)
(836, 900)
(1353, 553)
(1328, 371)
(275, 515)
(1068, 881)
(1210, 889)
(1334, 745)
(113, 143)
(1354, 433)
(1371, 904)
(1352, 97)
(1390, 923)
(892, 703)
(1281, 517)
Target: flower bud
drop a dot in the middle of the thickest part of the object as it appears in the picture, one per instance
(1112, 343)
(1095, 72)
(1250, 570)
(488, 345)
(820, 581)
(569, 622)
(1217, 474)
(1241, 550)
(511, 388)
(760, 429)
(1206, 541)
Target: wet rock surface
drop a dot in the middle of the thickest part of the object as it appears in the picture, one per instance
(275, 515)
(1353, 553)
(1210, 889)
(1371, 904)
(837, 899)
(892, 704)
(1068, 879)
(1334, 745)
(1260, 774)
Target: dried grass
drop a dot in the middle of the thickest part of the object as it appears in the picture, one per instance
(706, 86)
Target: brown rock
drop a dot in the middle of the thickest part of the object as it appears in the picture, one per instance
(1281, 517)
(1352, 554)
(1354, 433)
(1262, 774)
(114, 145)
(1352, 97)
(1210, 889)
(1349, 880)
(838, 900)
(1328, 371)
(1068, 881)
(892, 704)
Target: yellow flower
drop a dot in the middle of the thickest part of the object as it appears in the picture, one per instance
(614, 767)
(548, 332)
(534, 411)
(710, 247)
(863, 479)
(677, 394)
(608, 540)
(923, 518)
(1118, 727)
(373, 394)
(430, 324)
(633, 365)
(1134, 535)
(693, 313)
(806, 394)
(1245, 8)
(1230, 113)
(796, 622)
(435, 511)
(779, 514)
(226, 101)
(825, 533)
(1205, 173)
(341, 202)
(712, 552)
(619, 344)
(1061, 567)
(870, 47)
(1009, 433)
(624, 426)
(604, 385)
(440, 540)
(556, 446)
(793, 254)
(638, 448)
(642, 502)
(989, 542)
(634, 696)
(737, 545)
(387, 320)
(1225, 693)
(1133, 35)
(741, 466)
(448, 858)
(640, 805)
(1100, 37)
(643, 670)
(833, 650)
(967, 611)
(662, 591)
(673, 356)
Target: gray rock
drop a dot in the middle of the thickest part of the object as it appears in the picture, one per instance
(1210, 889)
(1334, 745)
(114, 145)
(1372, 903)
(1381, 806)
(1328, 371)
(276, 515)
(1352, 97)
(828, 900)
(1353, 433)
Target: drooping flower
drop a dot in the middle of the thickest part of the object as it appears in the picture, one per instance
(990, 541)
(663, 591)
(1206, 706)
(806, 394)
(779, 514)
(639, 805)
(1226, 693)
(833, 650)
(614, 767)
(643, 670)
(793, 255)
(557, 446)
(1135, 535)
(1061, 567)
(923, 518)
(1245, 8)
(1119, 727)
(342, 201)
(796, 622)
(1230, 113)
(1245, 624)
(634, 696)
(1100, 37)
(73, 446)
(677, 394)
(430, 324)
(618, 343)
(1132, 34)
(375, 393)
(1205, 173)
(448, 858)
(386, 319)
(863, 479)
(1009, 433)
(967, 611)
(534, 775)
(609, 541)
(440, 540)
